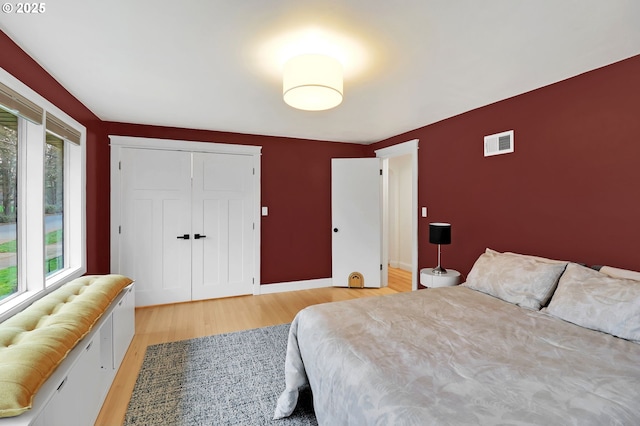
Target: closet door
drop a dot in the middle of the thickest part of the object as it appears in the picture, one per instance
(222, 224)
(156, 215)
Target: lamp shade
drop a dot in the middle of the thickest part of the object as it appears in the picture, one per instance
(312, 82)
(440, 233)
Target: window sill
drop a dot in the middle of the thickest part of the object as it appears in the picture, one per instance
(17, 303)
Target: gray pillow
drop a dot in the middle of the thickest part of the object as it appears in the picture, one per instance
(597, 301)
(524, 280)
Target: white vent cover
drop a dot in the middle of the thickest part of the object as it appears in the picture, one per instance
(500, 143)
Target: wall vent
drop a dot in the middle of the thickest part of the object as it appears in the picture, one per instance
(500, 143)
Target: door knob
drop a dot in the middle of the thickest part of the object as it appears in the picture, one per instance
(335, 229)
(198, 236)
(184, 237)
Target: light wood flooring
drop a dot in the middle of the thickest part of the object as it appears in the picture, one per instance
(168, 323)
(399, 280)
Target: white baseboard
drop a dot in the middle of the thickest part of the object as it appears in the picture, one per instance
(400, 265)
(405, 266)
(293, 286)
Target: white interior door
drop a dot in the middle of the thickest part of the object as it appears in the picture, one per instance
(222, 225)
(155, 212)
(356, 206)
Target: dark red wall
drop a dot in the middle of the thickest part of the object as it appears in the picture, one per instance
(571, 189)
(295, 186)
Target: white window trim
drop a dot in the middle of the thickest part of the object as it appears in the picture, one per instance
(32, 171)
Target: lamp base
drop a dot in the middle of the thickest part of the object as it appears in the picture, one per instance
(438, 270)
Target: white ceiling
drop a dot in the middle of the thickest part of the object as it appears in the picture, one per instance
(216, 64)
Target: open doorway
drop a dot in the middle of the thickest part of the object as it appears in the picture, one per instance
(400, 212)
(399, 222)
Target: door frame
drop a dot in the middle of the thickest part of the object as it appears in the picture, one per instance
(119, 142)
(405, 148)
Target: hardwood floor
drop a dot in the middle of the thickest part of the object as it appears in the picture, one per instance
(399, 279)
(168, 323)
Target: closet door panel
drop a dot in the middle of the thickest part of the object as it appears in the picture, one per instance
(222, 209)
(237, 241)
(156, 210)
(213, 250)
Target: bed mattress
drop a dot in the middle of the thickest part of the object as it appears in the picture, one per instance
(455, 356)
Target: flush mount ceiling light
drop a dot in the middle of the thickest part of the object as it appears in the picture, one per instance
(312, 82)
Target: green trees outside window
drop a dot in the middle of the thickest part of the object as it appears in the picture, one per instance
(54, 203)
(8, 204)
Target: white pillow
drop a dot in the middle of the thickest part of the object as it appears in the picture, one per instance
(594, 300)
(620, 273)
(525, 280)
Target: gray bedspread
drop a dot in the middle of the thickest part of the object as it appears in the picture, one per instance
(454, 356)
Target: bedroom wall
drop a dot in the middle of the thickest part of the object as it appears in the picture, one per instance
(570, 189)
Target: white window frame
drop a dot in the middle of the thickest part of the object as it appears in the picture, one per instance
(31, 230)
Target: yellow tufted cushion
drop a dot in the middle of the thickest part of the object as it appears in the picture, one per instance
(35, 341)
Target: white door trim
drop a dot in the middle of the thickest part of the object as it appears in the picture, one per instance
(180, 145)
(119, 142)
(405, 148)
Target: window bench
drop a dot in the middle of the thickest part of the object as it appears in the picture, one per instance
(59, 356)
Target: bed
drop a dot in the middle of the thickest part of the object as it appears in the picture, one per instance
(524, 341)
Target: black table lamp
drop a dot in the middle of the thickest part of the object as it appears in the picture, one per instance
(439, 233)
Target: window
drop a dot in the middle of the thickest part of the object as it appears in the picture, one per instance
(8, 205)
(42, 197)
(53, 204)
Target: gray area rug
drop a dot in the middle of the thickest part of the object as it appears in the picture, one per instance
(227, 379)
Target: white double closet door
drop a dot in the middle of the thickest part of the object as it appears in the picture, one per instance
(187, 224)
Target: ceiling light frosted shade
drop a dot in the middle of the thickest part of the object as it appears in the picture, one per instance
(312, 82)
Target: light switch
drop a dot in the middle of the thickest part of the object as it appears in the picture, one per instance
(424, 212)
(265, 211)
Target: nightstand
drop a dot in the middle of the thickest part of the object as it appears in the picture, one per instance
(429, 279)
